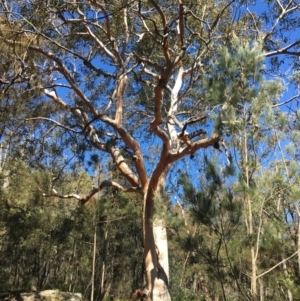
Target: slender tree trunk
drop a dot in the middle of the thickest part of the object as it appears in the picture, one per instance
(261, 290)
(103, 267)
(298, 238)
(253, 274)
(250, 222)
(94, 260)
(289, 293)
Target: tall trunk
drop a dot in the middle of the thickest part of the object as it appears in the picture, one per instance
(161, 282)
(94, 259)
(298, 238)
(156, 252)
(249, 222)
(253, 274)
(261, 290)
(103, 266)
(252, 251)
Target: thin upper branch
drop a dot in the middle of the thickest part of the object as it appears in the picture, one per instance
(284, 11)
(55, 122)
(166, 49)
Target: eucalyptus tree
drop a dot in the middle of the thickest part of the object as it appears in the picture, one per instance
(126, 78)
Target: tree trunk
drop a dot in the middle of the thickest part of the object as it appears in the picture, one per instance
(94, 260)
(103, 267)
(156, 253)
(253, 274)
(298, 238)
(261, 290)
(250, 222)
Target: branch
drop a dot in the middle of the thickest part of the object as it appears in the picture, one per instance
(126, 31)
(180, 34)
(54, 193)
(157, 111)
(202, 143)
(86, 198)
(96, 3)
(220, 15)
(109, 183)
(253, 20)
(181, 29)
(57, 123)
(284, 50)
(148, 62)
(119, 101)
(148, 31)
(192, 121)
(117, 125)
(276, 265)
(285, 102)
(165, 35)
(284, 11)
(116, 54)
(174, 108)
(87, 127)
(62, 68)
(128, 140)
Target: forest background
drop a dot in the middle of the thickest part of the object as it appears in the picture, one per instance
(142, 139)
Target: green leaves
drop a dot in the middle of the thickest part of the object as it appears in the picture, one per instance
(236, 72)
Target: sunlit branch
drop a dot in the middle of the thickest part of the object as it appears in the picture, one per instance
(157, 117)
(165, 35)
(284, 50)
(96, 3)
(58, 100)
(154, 75)
(85, 61)
(116, 55)
(86, 198)
(55, 122)
(217, 20)
(284, 11)
(148, 31)
(109, 183)
(54, 193)
(253, 20)
(87, 128)
(123, 166)
(99, 43)
(196, 145)
(127, 138)
(192, 69)
(181, 30)
(126, 31)
(285, 102)
(174, 107)
(276, 265)
(148, 62)
(119, 100)
(62, 68)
